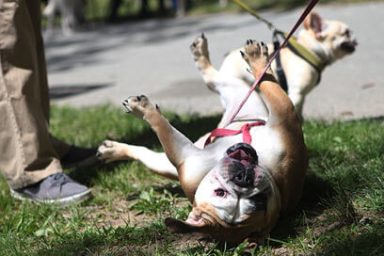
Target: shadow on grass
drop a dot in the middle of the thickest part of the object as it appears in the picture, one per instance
(367, 243)
(146, 241)
(315, 191)
(111, 241)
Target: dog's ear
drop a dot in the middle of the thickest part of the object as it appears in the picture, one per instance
(179, 226)
(194, 223)
(315, 23)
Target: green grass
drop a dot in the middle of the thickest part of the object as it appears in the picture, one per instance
(341, 213)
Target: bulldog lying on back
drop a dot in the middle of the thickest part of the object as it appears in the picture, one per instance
(239, 184)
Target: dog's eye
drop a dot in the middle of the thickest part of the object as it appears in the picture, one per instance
(220, 192)
(347, 33)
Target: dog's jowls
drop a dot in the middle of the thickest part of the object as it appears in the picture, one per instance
(237, 190)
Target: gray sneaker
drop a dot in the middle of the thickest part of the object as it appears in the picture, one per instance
(57, 188)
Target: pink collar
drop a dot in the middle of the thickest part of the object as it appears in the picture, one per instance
(245, 130)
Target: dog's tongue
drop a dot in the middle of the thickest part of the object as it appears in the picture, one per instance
(243, 153)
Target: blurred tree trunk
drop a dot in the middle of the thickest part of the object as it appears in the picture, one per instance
(113, 10)
(144, 8)
(161, 8)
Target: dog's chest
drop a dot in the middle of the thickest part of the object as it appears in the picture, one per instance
(269, 146)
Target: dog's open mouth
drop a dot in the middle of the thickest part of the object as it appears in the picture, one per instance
(349, 46)
(243, 153)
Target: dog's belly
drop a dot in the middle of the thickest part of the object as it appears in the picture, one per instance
(234, 65)
(268, 145)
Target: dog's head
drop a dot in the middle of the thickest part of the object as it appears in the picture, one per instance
(329, 39)
(237, 199)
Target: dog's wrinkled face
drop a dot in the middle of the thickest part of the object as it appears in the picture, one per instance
(328, 38)
(235, 200)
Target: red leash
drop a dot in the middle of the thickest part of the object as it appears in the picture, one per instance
(306, 11)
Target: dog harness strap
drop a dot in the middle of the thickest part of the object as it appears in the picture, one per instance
(279, 68)
(245, 130)
(310, 57)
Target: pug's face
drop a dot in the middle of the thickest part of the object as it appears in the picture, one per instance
(235, 200)
(338, 39)
(330, 39)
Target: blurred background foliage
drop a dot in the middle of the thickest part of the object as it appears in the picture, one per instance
(100, 10)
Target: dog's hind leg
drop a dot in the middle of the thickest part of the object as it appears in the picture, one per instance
(157, 162)
(279, 106)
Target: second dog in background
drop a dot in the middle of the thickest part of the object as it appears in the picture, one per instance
(329, 40)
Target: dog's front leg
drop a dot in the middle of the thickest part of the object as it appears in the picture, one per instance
(181, 152)
(157, 162)
(175, 144)
(297, 98)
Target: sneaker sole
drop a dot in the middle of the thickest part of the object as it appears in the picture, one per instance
(60, 201)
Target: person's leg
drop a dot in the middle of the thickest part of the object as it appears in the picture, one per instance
(35, 13)
(28, 160)
(60, 147)
(68, 155)
(27, 153)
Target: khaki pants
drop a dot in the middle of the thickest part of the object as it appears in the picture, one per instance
(28, 153)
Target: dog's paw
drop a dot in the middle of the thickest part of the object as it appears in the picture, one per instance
(109, 151)
(139, 106)
(199, 47)
(255, 54)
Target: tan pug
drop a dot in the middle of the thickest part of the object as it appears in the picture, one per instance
(238, 188)
(329, 40)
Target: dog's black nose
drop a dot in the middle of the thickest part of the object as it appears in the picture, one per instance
(242, 176)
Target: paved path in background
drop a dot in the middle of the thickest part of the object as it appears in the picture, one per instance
(108, 63)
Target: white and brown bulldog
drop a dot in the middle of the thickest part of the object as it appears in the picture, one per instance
(327, 40)
(238, 184)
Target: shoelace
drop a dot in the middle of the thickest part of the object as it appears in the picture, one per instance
(60, 179)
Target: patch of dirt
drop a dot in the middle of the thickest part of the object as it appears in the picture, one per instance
(118, 216)
(283, 251)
